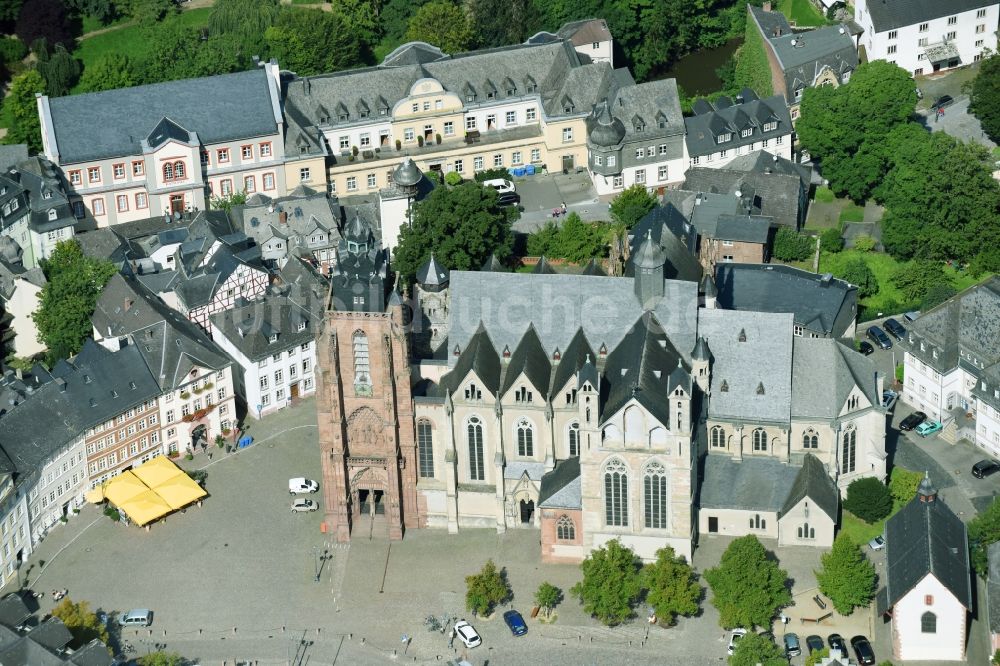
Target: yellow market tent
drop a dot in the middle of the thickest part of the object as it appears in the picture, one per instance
(145, 508)
(179, 491)
(96, 495)
(124, 487)
(157, 470)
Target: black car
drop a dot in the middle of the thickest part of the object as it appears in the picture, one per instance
(515, 623)
(865, 347)
(912, 421)
(508, 199)
(943, 101)
(985, 468)
(836, 642)
(878, 336)
(895, 328)
(814, 643)
(863, 650)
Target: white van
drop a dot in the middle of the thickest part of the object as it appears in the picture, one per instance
(138, 617)
(501, 185)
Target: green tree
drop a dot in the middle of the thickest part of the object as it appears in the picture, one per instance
(113, 70)
(461, 225)
(502, 22)
(611, 583)
(243, 20)
(102, 10)
(830, 241)
(903, 484)
(937, 294)
(486, 589)
(631, 205)
(43, 19)
(177, 51)
(864, 243)
(984, 100)
(59, 69)
(752, 68)
(846, 577)
(984, 530)
(857, 272)
(748, 587)
(442, 24)
(548, 597)
(790, 245)
(162, 658)
(360, 18)
(149, 12)
(757, 650)
(20, 101)
(68, 298)
(81, 622)
(868, 499)
(816, 657)
(915, 278)
(672, 586)
(228, 201)
(309, 42)
(573, 240)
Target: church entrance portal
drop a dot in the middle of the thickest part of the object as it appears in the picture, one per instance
(527, 510)
(370, 502)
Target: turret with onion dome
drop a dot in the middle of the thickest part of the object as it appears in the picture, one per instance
(406, 174)
(605, 134)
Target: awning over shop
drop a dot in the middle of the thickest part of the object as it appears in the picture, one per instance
(95, 496)
(145, 508)
(124, 487)
(158, 470)
(179, 491)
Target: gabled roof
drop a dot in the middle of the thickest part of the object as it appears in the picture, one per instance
(841, 368)
(13, 610)
(561, 488)
(752, 484)
(572, 359)
(892, 14)
(530, 359)
(250, 328)
(678, 240)
(167, 130)
(923, 538)
(479, 356)
(813, 483)
(704, 129)
(966, 325)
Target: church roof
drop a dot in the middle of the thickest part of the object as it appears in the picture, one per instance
(432, 273)
(528, 358)
(479, 356)
(813, 482)
(561, 488)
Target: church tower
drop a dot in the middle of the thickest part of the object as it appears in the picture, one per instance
(648, 261)
(363, 395)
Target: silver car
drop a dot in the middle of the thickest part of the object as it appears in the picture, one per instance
(301, 504)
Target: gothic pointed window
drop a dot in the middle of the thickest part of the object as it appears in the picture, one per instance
(362, 365)
(849, 451)
(525, 438)
(574, 439)
(654, 489)
(425, 448)
(565, 529)
(615, 494)
(474, 430)
(760, 440)
(928, 623)
(810, 440)
(718, 437)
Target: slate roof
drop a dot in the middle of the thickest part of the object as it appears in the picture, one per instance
(561, 488)
(102, 125)
(52, 634)
(923, 538)
(560, 305)
(677, 238)
(170, 343)
(726, 117)
(722, 216)
(101, 243)
(813, 482)
(648, 112)
(572, 359)
(964, 330)
(13, 610)
(738, 341)
(516, 469)
(95, 387)
(756, 483)
(530, 359)
(892, 14)
(478, 356)
(12, 154)
(644, 366)
(841, 368)
(815, 305)
(42, 182)
(305, 219)
(585, 32)
(94, 653)
(250, 328)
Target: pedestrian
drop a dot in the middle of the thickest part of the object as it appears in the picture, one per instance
(563, 207)
(209, 455)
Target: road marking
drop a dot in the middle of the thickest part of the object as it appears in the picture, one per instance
(68, 544)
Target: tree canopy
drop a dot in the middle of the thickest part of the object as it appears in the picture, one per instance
(162, 658)
(672, 586)
(748, 587)
(309, 42)
(611, 583)
(460, 225)
(43, 19)
(757, 650)
(443, 24)
(846, 577)
(984, 530)
(869, 499)
(59, 69)
(790, 245)
(23, 108)
(548, 597)
(68, 298)
(243, 20)
(573, 240)
(859, 273)
(631, 205)
(82, 622)
(486, 589)
(113, 70)
(984, 100)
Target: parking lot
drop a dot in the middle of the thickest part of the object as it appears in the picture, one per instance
(956, 120)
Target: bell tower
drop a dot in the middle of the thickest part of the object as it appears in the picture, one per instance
(363, 394)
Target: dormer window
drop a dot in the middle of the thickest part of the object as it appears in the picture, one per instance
(471, 97)
(47, 194)
(639, 127)
(52, 214)
(301, 326)
(723, 138)
(522, 395)
(272, 338)
(343, 117)
(770, 126)
(747, 132)
(472, 392)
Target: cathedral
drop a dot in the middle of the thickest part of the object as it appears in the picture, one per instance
(585, 406)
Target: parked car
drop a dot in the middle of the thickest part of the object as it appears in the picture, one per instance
(895, 328)
(878, 543)
(928, 428)
(912, 421)
(911, 316)
(301, 485)
(467, 634)
(865, 347)
(508, 199)
(889, 398)
(943, 101)
(137, 617)
(814, 643)
(301, 505)
(501, 185)
(515, 623)
(792, 648)
(734, 638)
(878, 336)
(863, 650)
(985, 468)
(836, 642)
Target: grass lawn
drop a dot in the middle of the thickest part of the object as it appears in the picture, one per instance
(129, 40)
(860, 531)
(852, 213)
(824, 194)
(801, 13)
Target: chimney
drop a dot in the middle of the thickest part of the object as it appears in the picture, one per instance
(283, 217)
(61, 383)
(128, 304)
(825, 279)
(767, 6)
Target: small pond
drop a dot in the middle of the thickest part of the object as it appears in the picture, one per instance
(695, 72)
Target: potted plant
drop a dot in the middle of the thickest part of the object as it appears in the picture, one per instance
(437, 138)
(220, 441)
(226, 432)
(185, 395)
(420, 141)
(172, 454)
(399, 144)
(354, 151)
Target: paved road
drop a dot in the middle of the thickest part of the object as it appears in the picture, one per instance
(542, 193)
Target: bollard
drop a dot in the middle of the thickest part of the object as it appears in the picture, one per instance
(199, 631)
(318, 629)
(234, 631)
(350, 636)
(164, 633)
(362, 640)
(282, 628)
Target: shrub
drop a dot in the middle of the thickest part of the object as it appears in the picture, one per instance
(437, 139)
(857, 272)
(453, 178)
(864, 243)
(869, 499)
(354, 151)
(824, 195)
(112, 513)
(789, 245)
(903, 484)
(548, 597)
(420, 141)
(492, 174)
(830, 241)
(399, 144)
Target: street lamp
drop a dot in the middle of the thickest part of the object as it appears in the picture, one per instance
(321, 558)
